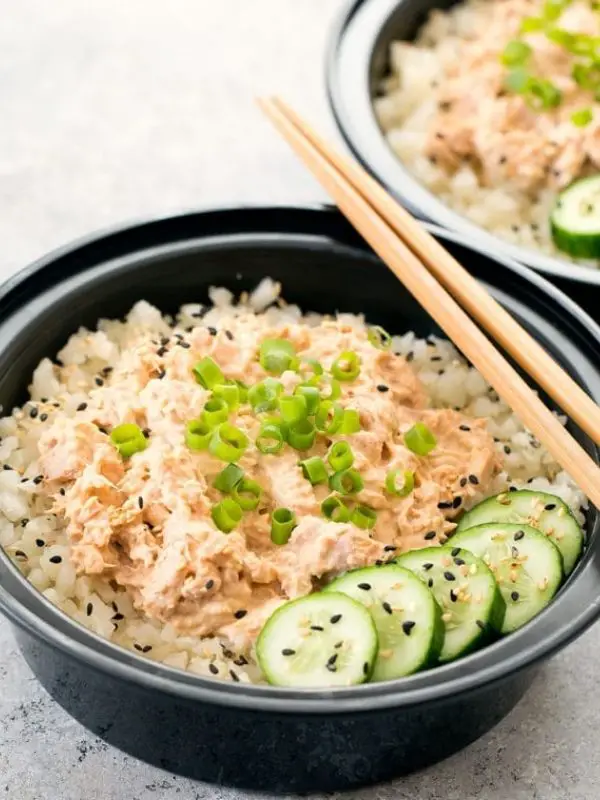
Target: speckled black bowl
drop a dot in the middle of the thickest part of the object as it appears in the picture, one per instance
(357, 57)
(259, 736)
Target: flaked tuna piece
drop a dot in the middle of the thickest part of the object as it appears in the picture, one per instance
(67, 448)
(287, 486)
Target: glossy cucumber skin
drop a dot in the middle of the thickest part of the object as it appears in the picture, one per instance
(566, 213)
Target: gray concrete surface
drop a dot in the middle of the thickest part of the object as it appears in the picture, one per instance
(113, 109)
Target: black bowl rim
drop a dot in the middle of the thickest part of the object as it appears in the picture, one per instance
(424, 688)
(350, 102)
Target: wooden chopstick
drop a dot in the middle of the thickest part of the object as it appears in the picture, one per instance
(471, 295)
(441, 305)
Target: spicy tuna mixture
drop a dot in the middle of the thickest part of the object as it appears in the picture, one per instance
(130, 545)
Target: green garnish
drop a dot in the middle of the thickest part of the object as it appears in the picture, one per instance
(270, 439)
(293, 408)
(379, 337)
(329, 388)
(582, 117)
(283, 522)
(229, 392)
(198, 434)
(228, 478)
(350, 422)
(347, 481)
(329, 417)
(311, 395)
(420, 439)
(263, 396)
(363, 517)
(516, 53)
(215, 411)
(208, 373)
(400, 482)
(247, 494)
(552, 9)
(587, 76)
(243, 391)
(301, 435)
(532, 25)
(340, 456)
(335, 509)
(226, 514)
(314, 470)
(346, 367)
(541, 94)
(128, 439)
(277, 356)
(517, 80)
(310, 367)
(227, 442)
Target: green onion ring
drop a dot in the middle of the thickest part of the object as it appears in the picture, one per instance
(198, 434)
(263, 396)
(407, 485)
(293, 408)
(420, 439)
(215, 411)
(247, 494)
(226, 514)
(301, 435)
(229, 392)
(329, 417)
(277, 356)
(363, 517)
(346, 481)
(228, 478)
(314, 470)
(379, 337)
(271, 438)
(350, 422)
(334, 509)
(340, 456)
(311, 395)
(128, 439)
(283, 522)
(346, 367)
(208, 373)
(228, 442)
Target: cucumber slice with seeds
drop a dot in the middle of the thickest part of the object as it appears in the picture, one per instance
(527, 567)
(408, 620)
(540, 510)
(318, 640)
(575, 219)
(465, 588)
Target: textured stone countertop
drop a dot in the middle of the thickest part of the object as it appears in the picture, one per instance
(113, 110)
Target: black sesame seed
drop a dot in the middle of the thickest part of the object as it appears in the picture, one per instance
(240, 614)
(141, 502)
(161, 374)
(512, 488)
(316, 628)
(115, 607)
(40, 542)
(514, 596)
(161, 351)
(234, 676)
(24, 522)
(146, 433)
(366, 668)
(453, 596)
(185, 345)
(82, 407)
(514, 552)
(6, 467)
(213, 669)
(43, 417)
(43, 399)
(407, 626)
(227, 653)
(102, 430)
(337, 645)
(229, 335)
(459, 562)
(502, 160)
(449, 576)
(463, 482)
(480, 624)
(33, 413)
(56, 559)
(455, 551)
(379, 563)
(430, 582)
(457, 501)
(444, 504)
(331, 667)
(38, 479)
(118, 617)
(89, 609)
(474, 480)
(365, 586)
(550, 507)
(146, 648)
(98, 381)
(241, 661)
(138, 647)
(178, 336)
(435, 358)
(381, 387)
(335, 618)
(23, 556)
(389, 548)
(518, 535)
(164, 340)
(62, 491)
(387, 608)
(410, 356)
(427, 566)
(287, 651)
(332, 659)
(212, 331)
(209, 584)
(201, 313)
(507, 450)
(429, 535)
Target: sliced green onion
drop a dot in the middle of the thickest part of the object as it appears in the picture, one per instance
(311, 395)
(541, 94)
(283, 522)
(263, 396)
(243, 390)
(561, 37)
(552, 9)
(582, 117)
(314, 470)
(335, 509)
(340, 456)
(350, 422)
(198, 434)
(329, 417)
(270, 439)
(293, 408)
(346, 367)
(516, 53)
(226, 514)
(208, 373)
(347, 481)
(228, 442)
(587, 76)
(128, 439)
(228, 478)
(517, 80)
(420, 439)
(400, 482)
(379, 337)
(301, 435)
(532, 25)
(329, 388)
(310, 367)
(363, 517)
(277, 356)
(247, 494)
(215, 411)
(230, 392)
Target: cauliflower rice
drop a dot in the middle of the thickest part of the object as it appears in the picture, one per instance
(35, 539)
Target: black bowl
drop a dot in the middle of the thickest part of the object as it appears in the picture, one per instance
(258, 736)
(356, 60)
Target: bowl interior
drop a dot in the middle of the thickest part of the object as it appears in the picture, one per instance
(322, 268)
(358, 58)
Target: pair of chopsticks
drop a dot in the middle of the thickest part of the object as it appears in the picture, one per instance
(423, 265)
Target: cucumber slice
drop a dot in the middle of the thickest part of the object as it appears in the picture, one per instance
(527, 567)
(318, 640)
(546, 512)
(575, 219)
(408, 620)
(465, 588)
